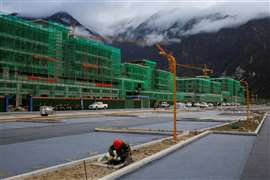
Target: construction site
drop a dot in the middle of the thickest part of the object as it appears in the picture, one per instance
(44, 63)
(152, 124)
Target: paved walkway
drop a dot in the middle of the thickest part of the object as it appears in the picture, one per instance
(258, 164)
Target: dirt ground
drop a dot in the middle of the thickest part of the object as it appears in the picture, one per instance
(95, 172)
(243, 126)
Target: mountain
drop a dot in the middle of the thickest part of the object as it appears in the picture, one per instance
(69, 21)
(240, 51)
(171, 27)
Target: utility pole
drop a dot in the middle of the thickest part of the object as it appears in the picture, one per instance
(172, 66)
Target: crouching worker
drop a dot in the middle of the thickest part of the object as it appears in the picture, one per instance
(120, 152)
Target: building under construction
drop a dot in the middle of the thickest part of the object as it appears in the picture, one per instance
(43, 63)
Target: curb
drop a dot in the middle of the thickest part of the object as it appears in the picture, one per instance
(255, 133)
(73, 163)
(151, 158)
(133, 131)
(235, 133)
(261, 123)
(219, 125)
(202, 120)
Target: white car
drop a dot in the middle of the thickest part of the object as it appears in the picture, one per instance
(188, 104)
(210, 104)
(197, 105)
(98, 105)
(46, 110)
(201, 105)
(204, 105)
(164, 105)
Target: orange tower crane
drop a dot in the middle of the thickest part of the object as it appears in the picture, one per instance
(172, 66)
(205, 70)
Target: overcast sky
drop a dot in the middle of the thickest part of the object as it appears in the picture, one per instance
(102, 13)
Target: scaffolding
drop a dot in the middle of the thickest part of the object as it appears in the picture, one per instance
(40, 58)
(196, 85)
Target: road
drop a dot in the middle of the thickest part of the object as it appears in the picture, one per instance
(212, 157)
(27, 146)
(258, 164)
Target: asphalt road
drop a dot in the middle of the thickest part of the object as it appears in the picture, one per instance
(22, 134)
(258, 164)
(16, 132)
(27, 156)
(212, 157)
(27, 146)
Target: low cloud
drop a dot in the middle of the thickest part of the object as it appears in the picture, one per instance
(108, 17)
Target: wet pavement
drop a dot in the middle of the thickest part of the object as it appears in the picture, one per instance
(23, 157)
(212, 157)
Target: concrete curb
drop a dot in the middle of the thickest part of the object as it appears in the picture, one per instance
(261, 123)
(255, 133)
(134, 131)
(76, 162)
(219, 125)
(235, 133)
(202, 120)
(151, 158)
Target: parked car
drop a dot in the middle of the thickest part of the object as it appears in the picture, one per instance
(197, 105)
(180, 105)
(203, 105)
(98, 105)
(188, 104)
(210, 105)
(164, 105)
(46, 110)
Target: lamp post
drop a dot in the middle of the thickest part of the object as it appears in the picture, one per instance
(172, 66)
(245, 83)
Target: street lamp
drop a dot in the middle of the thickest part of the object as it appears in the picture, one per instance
(172, 66)
(245, 83)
